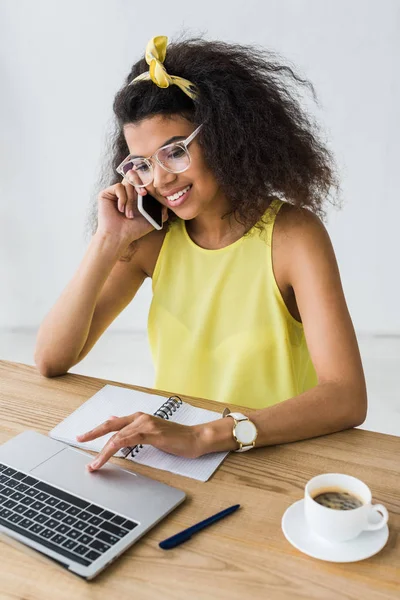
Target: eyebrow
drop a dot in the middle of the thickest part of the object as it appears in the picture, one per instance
(169, 141)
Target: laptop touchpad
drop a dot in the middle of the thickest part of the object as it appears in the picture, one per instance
(110, 484)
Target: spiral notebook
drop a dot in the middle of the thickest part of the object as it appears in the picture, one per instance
(120, 401)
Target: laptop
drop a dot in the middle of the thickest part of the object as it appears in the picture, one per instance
(82, 520)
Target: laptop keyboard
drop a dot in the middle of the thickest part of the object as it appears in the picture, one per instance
(65, 523)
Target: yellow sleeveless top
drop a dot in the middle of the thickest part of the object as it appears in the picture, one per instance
(218, 326)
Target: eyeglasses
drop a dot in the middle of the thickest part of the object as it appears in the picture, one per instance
(174, 158)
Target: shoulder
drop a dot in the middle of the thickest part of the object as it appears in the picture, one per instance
(300, 238)
(147, 250)
(299, 223)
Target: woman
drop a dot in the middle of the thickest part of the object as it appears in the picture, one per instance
(248, 307)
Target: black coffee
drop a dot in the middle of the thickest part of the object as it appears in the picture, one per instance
(337, 499)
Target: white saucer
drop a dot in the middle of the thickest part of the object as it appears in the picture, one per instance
(299, 535)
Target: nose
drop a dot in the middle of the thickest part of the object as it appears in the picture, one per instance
(161, 177)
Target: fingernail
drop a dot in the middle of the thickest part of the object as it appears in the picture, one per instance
(130, 213)
(94, 464)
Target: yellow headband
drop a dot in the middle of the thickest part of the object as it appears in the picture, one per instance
(156, 51)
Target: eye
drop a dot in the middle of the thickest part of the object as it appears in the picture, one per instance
(176, 152)
(141, 167)
(127, 167)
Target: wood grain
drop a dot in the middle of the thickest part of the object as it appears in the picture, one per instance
(243, 556)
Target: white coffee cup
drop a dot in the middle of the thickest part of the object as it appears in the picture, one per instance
(342, 525)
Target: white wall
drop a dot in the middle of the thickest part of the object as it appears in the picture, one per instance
(62, 63)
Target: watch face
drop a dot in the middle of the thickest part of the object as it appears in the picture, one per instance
(245, 432)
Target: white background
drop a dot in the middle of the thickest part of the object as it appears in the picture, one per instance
(63, 62)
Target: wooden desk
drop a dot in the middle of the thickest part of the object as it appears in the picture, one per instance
(244, 556)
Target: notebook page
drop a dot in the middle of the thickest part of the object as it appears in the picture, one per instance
(110, 400)
(119, 401)
(198, 468)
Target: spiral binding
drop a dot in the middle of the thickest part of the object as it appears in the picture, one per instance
(169, 407)
(165, 411)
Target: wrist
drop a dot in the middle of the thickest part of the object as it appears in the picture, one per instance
(110, 243)
(216, 436)
(244, 430)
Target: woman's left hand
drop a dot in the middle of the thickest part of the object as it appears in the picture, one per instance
(141, 428)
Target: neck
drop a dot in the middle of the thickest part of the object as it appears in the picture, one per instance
(210, 231)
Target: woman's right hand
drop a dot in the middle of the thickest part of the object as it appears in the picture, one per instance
(116, 204)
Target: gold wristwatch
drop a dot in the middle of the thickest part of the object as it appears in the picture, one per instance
(244, 430)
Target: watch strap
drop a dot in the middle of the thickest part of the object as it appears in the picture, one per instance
(238, 417)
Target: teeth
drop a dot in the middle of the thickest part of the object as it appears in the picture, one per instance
(178, 194)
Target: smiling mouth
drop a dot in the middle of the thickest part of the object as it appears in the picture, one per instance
(176, 200)
(179, 194)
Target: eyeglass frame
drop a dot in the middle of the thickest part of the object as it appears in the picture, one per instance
(147, 159)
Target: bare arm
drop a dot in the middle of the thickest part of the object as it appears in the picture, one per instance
(102, 286)
(339, 400)
(100, 289)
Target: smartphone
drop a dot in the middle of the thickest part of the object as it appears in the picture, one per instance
(151, 209)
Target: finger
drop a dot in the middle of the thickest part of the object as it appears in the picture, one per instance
(113, 424)
(112, 446)
(131, 201)
(133, 177)
(136, 432)
(122, 196)
(107, 452)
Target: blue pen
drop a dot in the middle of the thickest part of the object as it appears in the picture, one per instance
(186, 534)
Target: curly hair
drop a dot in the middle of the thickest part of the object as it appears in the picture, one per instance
(257, 138)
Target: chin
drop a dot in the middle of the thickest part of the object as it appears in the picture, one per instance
(186, 213)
